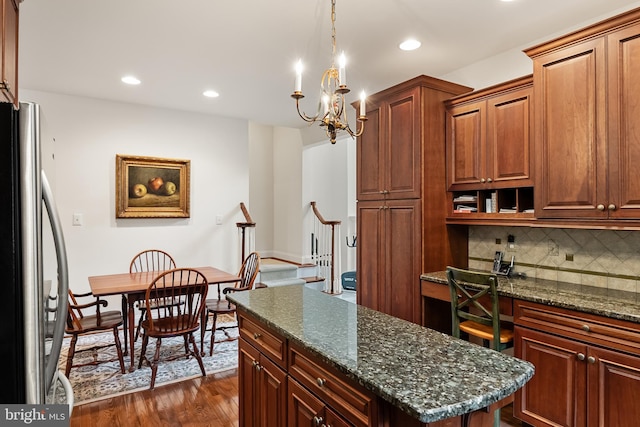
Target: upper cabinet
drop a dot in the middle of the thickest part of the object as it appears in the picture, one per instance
(9, 54)
(402, 124)
(587, 132)
(488, 137)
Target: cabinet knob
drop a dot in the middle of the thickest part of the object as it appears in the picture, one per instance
(321, 382)
(611, 207)
(586, 328)
(317, 421)
(489, 180)
(256, 335)
(600, 207)
(482, 180)
(580, 356)
(591, 359)
(256, 365)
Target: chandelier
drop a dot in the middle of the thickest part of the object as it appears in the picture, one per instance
(332, 112)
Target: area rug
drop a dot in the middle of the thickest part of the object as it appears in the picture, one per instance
(92, 383)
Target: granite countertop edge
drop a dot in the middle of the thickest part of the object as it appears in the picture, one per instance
(619, 305)
(400, 396)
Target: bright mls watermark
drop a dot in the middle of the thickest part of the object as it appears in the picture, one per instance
(36, 415)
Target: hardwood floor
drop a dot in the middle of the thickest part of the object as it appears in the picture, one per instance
(209, 401)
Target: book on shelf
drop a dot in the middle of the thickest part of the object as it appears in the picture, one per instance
(465, 209)
(494, 201)
(465, 198)
(508, 210)
(528, 210)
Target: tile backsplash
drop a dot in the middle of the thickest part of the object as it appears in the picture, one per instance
(602, 258)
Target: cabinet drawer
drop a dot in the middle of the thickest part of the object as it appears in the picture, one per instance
(354, 403)
(590, 328)
(272, 345)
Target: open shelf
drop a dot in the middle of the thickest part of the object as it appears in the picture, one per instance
(496, 204)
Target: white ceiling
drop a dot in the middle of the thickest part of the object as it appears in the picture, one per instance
(246, 49)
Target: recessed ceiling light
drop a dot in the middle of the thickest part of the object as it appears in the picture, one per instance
(410, 44)
(130, 80)
(211, 94)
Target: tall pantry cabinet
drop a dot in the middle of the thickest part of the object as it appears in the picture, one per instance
(402, 199)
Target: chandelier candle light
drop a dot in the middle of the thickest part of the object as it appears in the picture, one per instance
(331, 113)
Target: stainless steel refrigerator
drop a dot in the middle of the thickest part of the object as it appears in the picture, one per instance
(33, 265)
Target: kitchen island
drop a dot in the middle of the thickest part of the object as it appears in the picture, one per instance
(394, 372)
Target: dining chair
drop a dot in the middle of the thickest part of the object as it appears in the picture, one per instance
(164, 319)
(475, 310)
(149, 260)
(215, 307)
(80, 323)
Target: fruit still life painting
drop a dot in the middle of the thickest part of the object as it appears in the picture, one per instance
(149, 187)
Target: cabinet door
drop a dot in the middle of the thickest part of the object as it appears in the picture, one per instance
(248, 359)
(402, 148)
(570, 122)
(466, 144)
(402, 259)
(508, 139)
(614, 388)
(624, 126)
(304, 409)
(334, 420)
(556, 395)
(369, 157)
(272, 394)
(370, 268)
(9, 46)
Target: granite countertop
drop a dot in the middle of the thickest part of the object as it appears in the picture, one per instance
(611, 303)
(427, 374)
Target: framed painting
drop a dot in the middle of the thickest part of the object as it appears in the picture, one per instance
(152, 187)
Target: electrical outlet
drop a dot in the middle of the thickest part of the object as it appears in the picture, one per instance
(568, 257)
(498, 241)
(78, 219)
(218, 219)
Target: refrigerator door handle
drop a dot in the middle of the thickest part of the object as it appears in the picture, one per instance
(63, 281)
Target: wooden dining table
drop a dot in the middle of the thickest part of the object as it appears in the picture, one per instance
(133, 286)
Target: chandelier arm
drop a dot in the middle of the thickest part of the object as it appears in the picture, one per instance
(303, 116)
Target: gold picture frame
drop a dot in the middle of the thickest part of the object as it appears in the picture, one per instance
(152, 187)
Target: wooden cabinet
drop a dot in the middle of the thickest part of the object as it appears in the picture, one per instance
(586, 97)
(306, 410)
(587, 368)
(9, 52)
(489, 154)
(488, 137)
(262, 387)
(389, 262)
(402, 202)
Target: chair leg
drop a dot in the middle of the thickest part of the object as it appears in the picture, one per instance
(118, 348)
(145, 341)
(154, 363)
(496, 418)
(213, 333)
(186, 346)
(203, 328)
(139, 325)
(72, 351)
(196, 353)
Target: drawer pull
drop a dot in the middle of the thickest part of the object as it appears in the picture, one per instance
(256, 335)
(591, 359)
(586, 328)
(580, 356)
(321, 382)
(317, 421)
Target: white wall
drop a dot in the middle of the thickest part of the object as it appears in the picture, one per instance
(261, 185)
(89, 133)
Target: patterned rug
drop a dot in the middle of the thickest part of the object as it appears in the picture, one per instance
(92, 383)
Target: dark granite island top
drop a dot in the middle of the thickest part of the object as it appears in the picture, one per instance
(427, 374)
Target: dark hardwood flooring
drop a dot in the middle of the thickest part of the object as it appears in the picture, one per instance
(205, 401)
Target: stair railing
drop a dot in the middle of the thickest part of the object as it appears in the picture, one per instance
(246, 233)
(325, 250)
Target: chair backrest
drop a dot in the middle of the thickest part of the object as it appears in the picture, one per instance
(151, 260)
(248, 271)
(75, 314)
(175, 300)
(475, 291)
